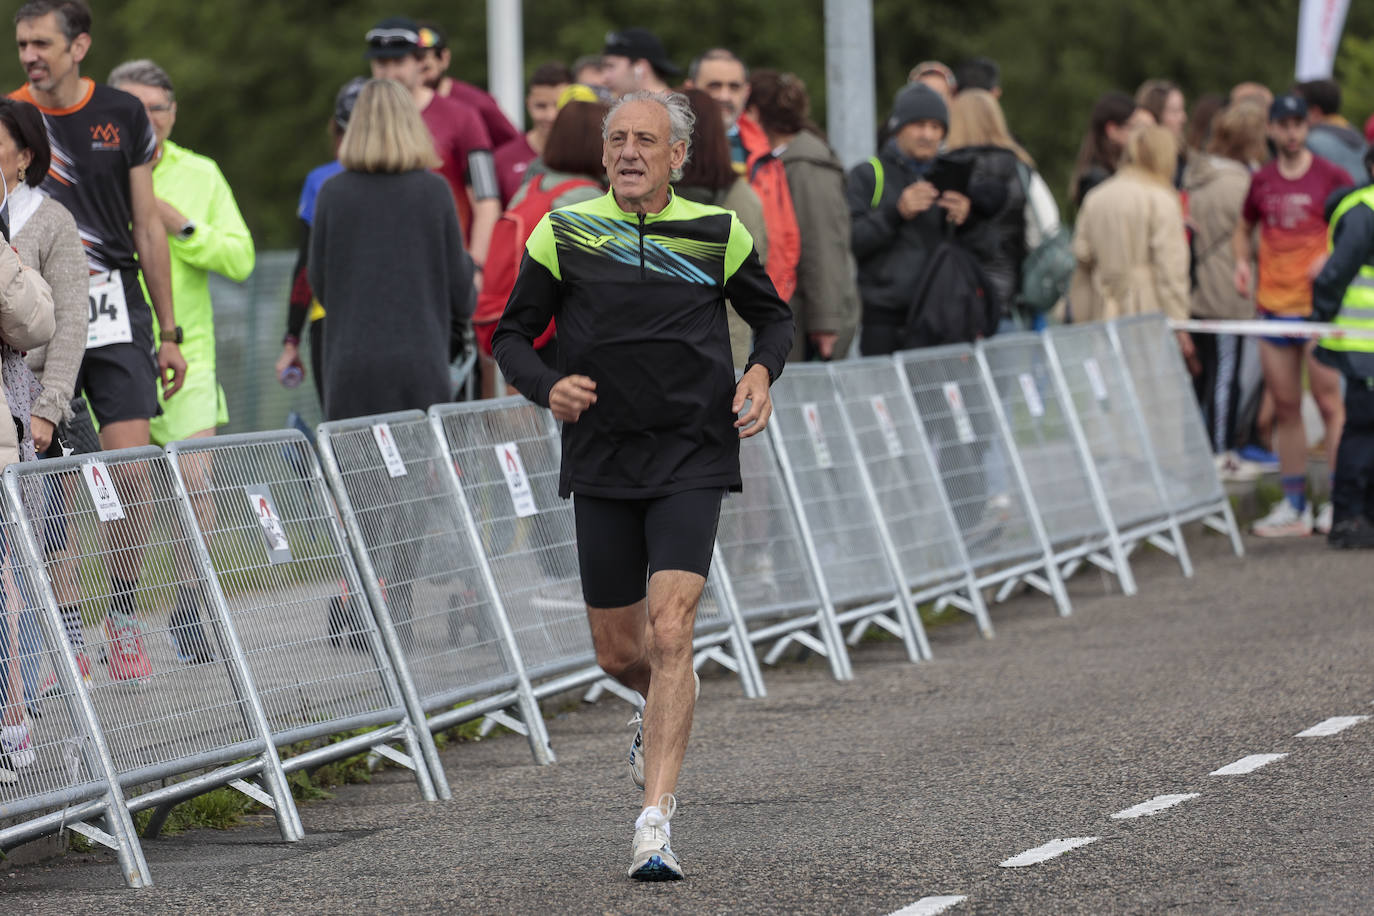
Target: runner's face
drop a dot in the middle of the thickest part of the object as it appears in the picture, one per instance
(404, 70)
(1289, 135)
(11, 158)
(723, 80)
(542, 104)
(639, 153)
(46, 55)
(162, 111)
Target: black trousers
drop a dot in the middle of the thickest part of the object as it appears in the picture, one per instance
(1352, 485)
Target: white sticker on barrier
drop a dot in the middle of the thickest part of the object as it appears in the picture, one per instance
(1095, 379)
(103, 492)
(889, 429)
(963, 426)
(812, 415)
(386, 444)
(508, 455)
(1032, 393)
(269, 519)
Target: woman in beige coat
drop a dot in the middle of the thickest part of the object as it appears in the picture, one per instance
(1129, 241)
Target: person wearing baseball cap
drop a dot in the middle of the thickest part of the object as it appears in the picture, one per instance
(434, 63)
(395, 51)
(1286, 202)
(634, 60)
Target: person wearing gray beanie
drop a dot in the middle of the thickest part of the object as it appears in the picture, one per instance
(917, 102)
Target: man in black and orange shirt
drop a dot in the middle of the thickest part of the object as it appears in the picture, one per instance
(102, 171)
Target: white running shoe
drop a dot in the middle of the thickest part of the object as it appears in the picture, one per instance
(637, 745)
(1322, 524)
(17, 745)
(1283, 521)
(654, 859)
(1232, 467)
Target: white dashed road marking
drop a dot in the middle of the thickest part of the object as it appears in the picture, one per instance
(1048, 851)
(1247, 764)
(1331, 726)
(929, 906)
(1154, 806)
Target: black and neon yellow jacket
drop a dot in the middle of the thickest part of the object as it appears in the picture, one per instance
(640, 308)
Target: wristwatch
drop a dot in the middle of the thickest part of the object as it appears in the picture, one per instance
(172, 336)
(186, 231)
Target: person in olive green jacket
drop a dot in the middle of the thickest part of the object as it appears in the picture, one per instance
(826, 302)
(205, 232)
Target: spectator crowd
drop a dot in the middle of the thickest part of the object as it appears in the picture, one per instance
(1237, 206)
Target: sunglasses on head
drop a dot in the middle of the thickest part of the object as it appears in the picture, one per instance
(392, 38)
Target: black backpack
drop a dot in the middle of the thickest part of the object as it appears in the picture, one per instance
(951, 304)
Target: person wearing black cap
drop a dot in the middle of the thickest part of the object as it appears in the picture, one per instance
(394, 52)
(1285, 201)
(634, 60)
(434, 65)
(897, 217)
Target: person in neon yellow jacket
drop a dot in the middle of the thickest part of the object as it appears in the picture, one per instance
(205, 232)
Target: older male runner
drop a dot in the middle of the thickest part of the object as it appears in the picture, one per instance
(637, 280)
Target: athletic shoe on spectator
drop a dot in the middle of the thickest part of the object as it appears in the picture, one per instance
(83, 664)
(8, 776)
(1322, 524)
(637, 745)
(17, 745)
(1283, 521)
(1232, 467)
(654, 859)
(127, 659)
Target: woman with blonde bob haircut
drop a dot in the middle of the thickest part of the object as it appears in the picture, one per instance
(386, 133)
(1130, 244)
(1028, 214)
(387, 262)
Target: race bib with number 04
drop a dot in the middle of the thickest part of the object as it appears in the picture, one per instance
(108, 321)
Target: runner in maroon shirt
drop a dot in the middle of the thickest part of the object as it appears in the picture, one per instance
(393, 48)
(434, 69)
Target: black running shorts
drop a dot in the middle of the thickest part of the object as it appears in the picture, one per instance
(120, 380)
(622, 542)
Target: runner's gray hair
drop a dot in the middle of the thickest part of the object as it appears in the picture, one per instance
(681, 118)
(141, 73)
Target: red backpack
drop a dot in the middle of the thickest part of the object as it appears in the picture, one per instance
(508, 240)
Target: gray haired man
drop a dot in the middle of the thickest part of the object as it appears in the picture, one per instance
(651, 414)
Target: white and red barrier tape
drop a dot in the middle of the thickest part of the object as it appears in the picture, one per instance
(1309, 330)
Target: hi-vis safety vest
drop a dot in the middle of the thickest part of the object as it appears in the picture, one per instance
(1357, 306)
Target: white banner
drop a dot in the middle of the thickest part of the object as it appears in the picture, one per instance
(1319, 36)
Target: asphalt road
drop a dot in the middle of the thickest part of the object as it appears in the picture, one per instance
(911, 782)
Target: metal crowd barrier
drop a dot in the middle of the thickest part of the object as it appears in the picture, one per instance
(835, 504)
(981, 472)
(71, 765)
(1115, 436)
(322, 662)
(1050, 441)
(1164, 394)
(880, 415)
(770, 564)
(423, 564)
(169, 693)
(434, 577)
